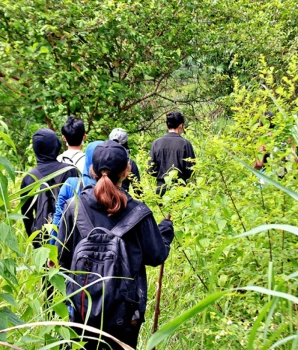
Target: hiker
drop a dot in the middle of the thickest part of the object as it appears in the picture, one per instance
(260, 162)
(46, 147)
(73, 134)
(281, 146)
(170, 153)
(115, 214)
(120, 135)
(74, 185)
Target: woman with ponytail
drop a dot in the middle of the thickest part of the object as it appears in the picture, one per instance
(107, 204)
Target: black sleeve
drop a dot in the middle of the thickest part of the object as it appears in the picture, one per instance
(155, 240)
(66, 234)
(28, 208)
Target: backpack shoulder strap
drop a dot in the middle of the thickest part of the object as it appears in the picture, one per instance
(79, 158)
(69, 158)
(131, 220)
(83, 222)
(36, 173)
(85, 225)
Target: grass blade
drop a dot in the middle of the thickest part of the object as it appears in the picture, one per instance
(262, 228)
(171, 326)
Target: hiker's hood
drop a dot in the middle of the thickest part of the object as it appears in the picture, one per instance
(46, 145)
(87, 180)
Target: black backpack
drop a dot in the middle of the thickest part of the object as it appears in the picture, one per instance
(102, 254)
(45, 207)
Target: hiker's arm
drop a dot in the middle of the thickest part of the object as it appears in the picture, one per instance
(65, 236)
(155, 240)
(260, 162)
(29, 213)
(65, 193)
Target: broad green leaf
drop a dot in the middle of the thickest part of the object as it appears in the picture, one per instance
(61, 310)
(11, 317)
(8, 237)
(3, 192)
(63, 331)
(3, 325)
(16, 216)
(40, 256)
(8, 271)
(43, 49)
(53, 252)
(4, 162)
(8, 140)
(52, 272)
(8, 298)
(59, 283)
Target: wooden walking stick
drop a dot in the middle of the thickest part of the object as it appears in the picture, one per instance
(157, 303)
(158, 293)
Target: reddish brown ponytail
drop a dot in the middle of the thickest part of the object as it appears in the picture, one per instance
(108, 194)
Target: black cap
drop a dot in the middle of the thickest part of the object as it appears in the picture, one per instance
(109, 155)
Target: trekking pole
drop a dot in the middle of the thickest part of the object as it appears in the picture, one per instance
(157, 303)
(158, 293)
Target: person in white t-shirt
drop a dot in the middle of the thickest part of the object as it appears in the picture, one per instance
(73, 133)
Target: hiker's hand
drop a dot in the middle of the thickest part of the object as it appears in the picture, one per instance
(262, 148)
(50, 263)
(168, 216)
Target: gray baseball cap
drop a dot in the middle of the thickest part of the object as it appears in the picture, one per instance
(119, 135)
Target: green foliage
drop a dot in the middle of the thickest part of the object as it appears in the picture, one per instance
(125, 63)
(223, 200)
(233, 239)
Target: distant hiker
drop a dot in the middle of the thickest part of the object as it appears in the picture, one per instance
(74, 185)
(260, 162)
(111, 234)
(73, 134)
(170, 153)
(120, 135)
(46, 146)
(281, 146)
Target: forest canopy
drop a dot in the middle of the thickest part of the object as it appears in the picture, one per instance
(128, 62)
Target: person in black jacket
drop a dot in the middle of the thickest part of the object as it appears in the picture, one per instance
(120, 135)
(46, 146)
(170, 153)
(107, 204)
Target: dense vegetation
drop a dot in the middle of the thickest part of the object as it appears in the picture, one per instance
(223, 64)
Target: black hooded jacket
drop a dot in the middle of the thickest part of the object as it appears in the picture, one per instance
(147, 243)
(46, 146)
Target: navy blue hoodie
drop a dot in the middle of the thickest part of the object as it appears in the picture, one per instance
(46, 146)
